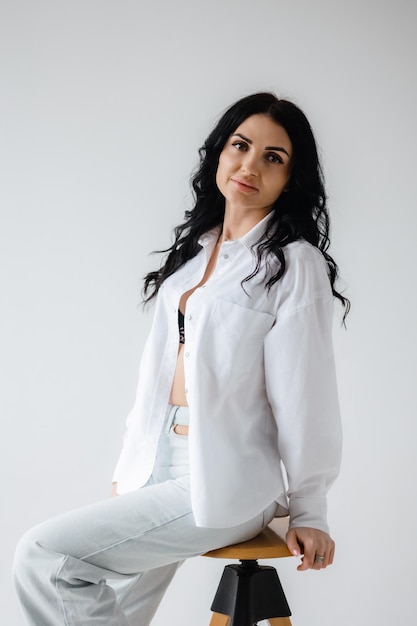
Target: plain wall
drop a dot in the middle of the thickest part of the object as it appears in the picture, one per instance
(103, 106)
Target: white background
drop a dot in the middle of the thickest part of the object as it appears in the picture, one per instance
(103, 106)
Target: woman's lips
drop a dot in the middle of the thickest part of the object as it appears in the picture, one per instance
(243, 185)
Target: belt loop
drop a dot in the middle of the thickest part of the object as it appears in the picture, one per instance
(170, 419)
(177, 408)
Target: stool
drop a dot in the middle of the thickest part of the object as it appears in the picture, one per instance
(248, 593)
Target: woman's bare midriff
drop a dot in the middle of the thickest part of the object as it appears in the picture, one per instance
(178, 396)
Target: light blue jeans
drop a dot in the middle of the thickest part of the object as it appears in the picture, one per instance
(110, 563)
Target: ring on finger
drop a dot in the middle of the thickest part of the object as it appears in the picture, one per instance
(318, 558)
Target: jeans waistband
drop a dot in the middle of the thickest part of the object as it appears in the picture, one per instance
(177, 415)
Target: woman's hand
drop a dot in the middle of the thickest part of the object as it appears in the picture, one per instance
(113, 490)
(316, 546)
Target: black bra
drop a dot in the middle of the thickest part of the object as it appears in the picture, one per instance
(181, 326)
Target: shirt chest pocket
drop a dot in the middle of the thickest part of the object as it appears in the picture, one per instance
(234, 338)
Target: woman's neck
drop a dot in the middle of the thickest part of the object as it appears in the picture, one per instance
(236, 223)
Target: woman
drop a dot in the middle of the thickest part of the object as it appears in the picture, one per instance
(236, 379)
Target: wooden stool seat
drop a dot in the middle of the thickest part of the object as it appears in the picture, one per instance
(267, 545)
(247, 592)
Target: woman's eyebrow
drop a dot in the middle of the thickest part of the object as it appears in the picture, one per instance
(277, 148)
(242, 137)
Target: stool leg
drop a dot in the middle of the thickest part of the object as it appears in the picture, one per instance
(218, 619)
(223, 620)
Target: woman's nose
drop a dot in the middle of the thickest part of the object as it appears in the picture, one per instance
(250, 164)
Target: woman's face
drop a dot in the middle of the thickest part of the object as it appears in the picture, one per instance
(255, 165)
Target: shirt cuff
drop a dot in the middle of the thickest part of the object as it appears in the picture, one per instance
(308, 512)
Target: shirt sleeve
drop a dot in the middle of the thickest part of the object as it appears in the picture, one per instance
(302, 392)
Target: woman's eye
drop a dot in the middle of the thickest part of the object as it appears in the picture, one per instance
(240, 145)
(272, 157)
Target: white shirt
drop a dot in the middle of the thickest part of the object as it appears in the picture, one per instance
(260, 384)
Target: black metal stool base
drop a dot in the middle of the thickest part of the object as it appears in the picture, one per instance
(250, 593)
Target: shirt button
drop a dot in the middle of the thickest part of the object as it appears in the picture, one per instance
(189, 317)
(187, 354)
(225, 256)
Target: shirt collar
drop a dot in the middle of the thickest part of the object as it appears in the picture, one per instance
(249, 239)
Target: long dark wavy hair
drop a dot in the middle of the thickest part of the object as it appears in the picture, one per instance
(299, 213)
